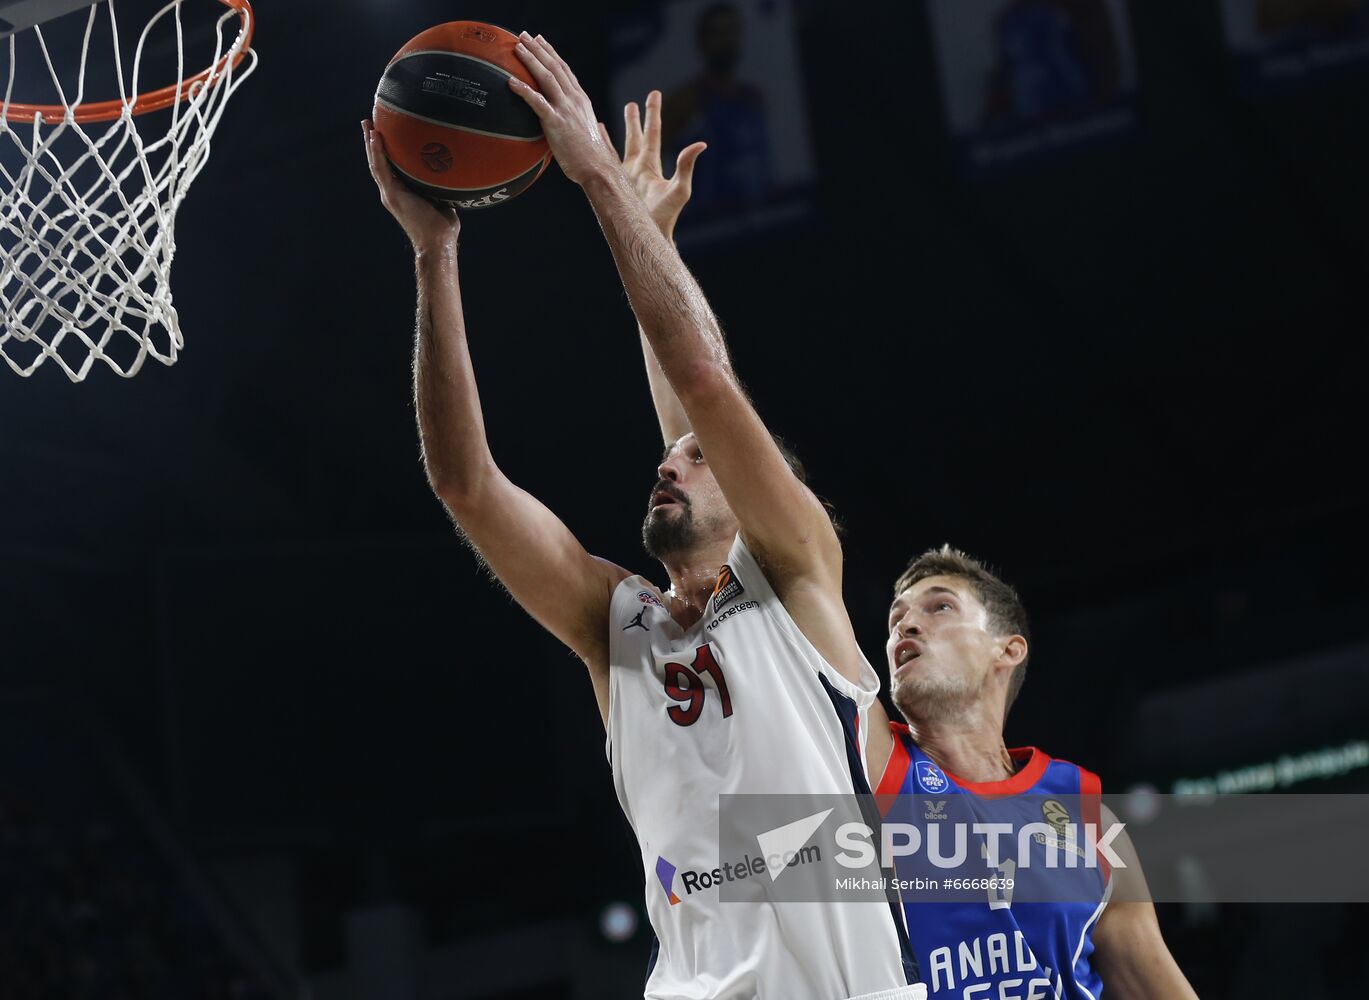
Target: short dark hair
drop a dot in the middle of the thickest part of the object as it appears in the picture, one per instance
(1007, 616)
(791, 458)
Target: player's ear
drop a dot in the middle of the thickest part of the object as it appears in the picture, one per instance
(1011, 651)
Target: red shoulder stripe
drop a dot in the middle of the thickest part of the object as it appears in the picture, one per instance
(1090, 805)
(895, 771)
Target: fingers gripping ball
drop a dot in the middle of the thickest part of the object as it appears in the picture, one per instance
(453, 129)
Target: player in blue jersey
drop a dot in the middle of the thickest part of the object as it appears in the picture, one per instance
(957, 654)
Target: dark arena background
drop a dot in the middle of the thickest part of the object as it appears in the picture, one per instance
(266, 729)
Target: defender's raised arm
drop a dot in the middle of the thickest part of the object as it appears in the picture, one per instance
(531, 552)
(664, 200)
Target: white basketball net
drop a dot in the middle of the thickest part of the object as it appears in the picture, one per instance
(87, 210)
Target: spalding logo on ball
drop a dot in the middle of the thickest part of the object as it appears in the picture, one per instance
(453, 129)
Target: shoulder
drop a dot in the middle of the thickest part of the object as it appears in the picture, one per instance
(628, 591)
(1058, 767)
(608, 579)
(612, 574)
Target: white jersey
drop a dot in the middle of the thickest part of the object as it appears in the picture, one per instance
(739, 703)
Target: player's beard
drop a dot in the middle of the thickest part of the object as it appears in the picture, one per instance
(928, 697)
(667, 534)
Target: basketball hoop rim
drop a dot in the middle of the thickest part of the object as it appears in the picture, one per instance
(155, 100)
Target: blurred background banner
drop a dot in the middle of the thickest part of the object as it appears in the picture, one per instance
(1277, 42)
(1022, 79)
(729, 74)
(1302, 721)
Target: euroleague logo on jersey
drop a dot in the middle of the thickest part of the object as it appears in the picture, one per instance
(1056, 815)
(727, 588)
(930, 778)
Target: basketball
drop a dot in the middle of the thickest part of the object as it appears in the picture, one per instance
(453, 129)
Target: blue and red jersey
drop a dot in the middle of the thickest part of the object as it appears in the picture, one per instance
(984, 944)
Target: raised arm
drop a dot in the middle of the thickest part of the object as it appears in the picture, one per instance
(781, 520)
(527, 547)
(664, 200)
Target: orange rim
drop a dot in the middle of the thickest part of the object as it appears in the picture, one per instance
(155, 100)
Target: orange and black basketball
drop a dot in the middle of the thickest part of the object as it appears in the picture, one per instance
(453, 129)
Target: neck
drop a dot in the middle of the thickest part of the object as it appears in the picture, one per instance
(968, 743)
(692, 575)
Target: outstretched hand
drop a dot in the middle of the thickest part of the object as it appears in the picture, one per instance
(664, 199)
(429, 226)
(577, 139)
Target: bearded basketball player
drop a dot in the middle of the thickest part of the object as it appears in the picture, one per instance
(685, 678)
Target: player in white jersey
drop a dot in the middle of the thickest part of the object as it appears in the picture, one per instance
(743, 676)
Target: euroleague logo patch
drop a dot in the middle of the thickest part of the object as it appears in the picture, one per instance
(436, 157)
(727, 588)
(647, 597)
(1056, 815)
(929, 777)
